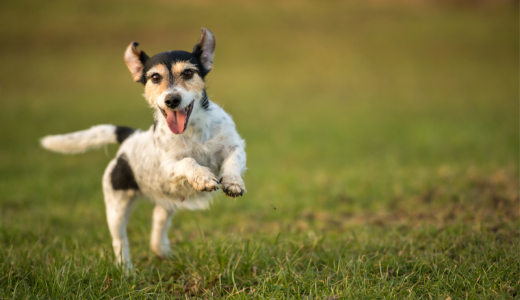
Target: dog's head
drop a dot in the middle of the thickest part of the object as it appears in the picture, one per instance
(174, 81)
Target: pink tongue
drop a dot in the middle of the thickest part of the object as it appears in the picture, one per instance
(176, 120)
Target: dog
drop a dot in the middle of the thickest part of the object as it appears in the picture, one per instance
(191, 148)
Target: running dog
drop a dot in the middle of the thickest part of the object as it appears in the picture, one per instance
(190, 149)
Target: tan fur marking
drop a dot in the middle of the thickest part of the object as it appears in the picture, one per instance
(153, 90)
(181, 66)
(195, 84)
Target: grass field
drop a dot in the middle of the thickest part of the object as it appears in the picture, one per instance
(382, 142)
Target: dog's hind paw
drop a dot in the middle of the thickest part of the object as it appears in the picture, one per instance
(204, 180)
(233, 186)
(163, 251)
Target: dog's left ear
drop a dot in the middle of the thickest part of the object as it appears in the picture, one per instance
(135, 60)
(205, 50)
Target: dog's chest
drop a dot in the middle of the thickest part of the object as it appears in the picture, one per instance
(153, 152)
(199, 145)
(205, 154)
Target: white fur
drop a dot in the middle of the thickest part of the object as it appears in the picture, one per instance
(175, 171)
(171, 170)
(81, 141)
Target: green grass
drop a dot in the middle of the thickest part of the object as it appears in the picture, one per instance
(382, 144)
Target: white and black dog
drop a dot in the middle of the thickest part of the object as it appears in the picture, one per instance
(190, 149)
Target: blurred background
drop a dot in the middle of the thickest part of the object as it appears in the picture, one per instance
(354, 112)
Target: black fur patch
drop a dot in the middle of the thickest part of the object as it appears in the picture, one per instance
(154, 125)
(204, 102)
(171, 57)
(122, 176)
(122, 133)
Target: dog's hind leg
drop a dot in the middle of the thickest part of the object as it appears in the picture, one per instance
(161, 222)
(118, 205)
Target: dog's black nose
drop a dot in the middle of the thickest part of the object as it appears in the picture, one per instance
(172, 100)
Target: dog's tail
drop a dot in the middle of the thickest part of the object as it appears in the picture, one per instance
(81, 141)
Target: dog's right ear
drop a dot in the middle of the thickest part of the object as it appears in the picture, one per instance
(135, 60)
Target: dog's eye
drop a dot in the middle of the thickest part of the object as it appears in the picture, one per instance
(187, 74)
(156, 78)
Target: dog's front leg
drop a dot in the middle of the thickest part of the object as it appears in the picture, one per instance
(200, 177)
(232, 168)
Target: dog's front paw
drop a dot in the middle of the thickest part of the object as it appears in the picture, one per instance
(204, 180)
(232, 185)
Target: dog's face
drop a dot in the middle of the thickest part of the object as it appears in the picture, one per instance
(174, 81)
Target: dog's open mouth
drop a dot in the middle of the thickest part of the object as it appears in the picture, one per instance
(178, 119)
